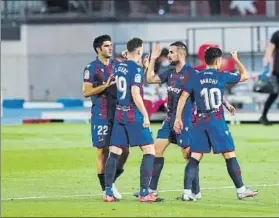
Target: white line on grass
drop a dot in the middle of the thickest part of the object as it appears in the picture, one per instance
(125, 193)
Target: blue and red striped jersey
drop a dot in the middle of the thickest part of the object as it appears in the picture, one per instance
(128, 74)
(176, 82)
(104, 103)
(208, 86)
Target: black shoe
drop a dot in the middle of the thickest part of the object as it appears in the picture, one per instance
(263, 120)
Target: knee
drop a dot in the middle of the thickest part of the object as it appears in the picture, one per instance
(149, 149)
(102, 153)
(186, 153)
(197, 156)
(229, 155)
(125, 151)
(159, 150)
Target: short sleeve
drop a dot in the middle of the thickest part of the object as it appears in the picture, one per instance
(189, 81)
(88, 74)
(164, 76)
(231, 77)
(137, 77)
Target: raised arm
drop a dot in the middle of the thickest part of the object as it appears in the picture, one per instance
(242, 70)
(151, 77)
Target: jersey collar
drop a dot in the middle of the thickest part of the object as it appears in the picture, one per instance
(99, 62)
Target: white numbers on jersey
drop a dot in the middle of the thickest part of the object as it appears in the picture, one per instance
(121, 85)
(102, 130)
(212, 98)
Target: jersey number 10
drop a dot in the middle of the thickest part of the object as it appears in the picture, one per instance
(121, 85)
(212, 98)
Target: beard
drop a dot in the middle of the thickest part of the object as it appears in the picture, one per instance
(174, 63)
(107, 56)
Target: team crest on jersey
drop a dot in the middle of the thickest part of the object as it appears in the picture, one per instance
(138, 78)
(86, 74)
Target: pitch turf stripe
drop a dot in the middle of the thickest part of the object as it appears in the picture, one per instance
(125, 193)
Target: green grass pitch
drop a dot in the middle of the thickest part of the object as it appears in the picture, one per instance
(49, 170)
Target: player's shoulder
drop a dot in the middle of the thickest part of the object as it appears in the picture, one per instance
(114, 62)
(91, 65)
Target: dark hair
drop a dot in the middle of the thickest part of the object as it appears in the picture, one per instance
(133, 44)
(180, 44)
(164, 52)
(211, 54)
(98, 42)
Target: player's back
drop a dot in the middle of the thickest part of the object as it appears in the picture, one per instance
(127, 74)
(208, 89)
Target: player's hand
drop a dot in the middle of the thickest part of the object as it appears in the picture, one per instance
(178, 126)
(230, 108)
(110, 81)
(234, 55)
(146, 122)
(124, 54)
(145, 62)
(156, 51)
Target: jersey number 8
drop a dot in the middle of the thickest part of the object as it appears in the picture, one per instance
(121, 84)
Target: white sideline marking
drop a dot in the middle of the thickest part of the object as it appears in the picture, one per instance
(125, 193)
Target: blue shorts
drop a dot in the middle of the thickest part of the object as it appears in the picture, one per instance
(167, 132)
(101, 132)
(214, 134)
(130, 134)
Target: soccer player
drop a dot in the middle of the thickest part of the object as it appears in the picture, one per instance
(131, 126)
(99, 85)
(211, 130)
(175, 79)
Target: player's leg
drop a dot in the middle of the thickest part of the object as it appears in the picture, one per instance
(118, 140)
(110, 171)
(222, 142)
(190, 174)
(102, 154)
(119, 170)
(184, 141)
(122, 160)
(235, 174)
(99, 133)
(161, 143)
(186, 154)
(140, 136)
(199, 145)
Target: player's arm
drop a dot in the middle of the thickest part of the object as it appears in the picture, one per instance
(270, 49)
(151, 77)
(229, 107)
(242, 70)
(88, 86)
(136, 84)
(140, 105)
(178, 124)
(88, 89)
